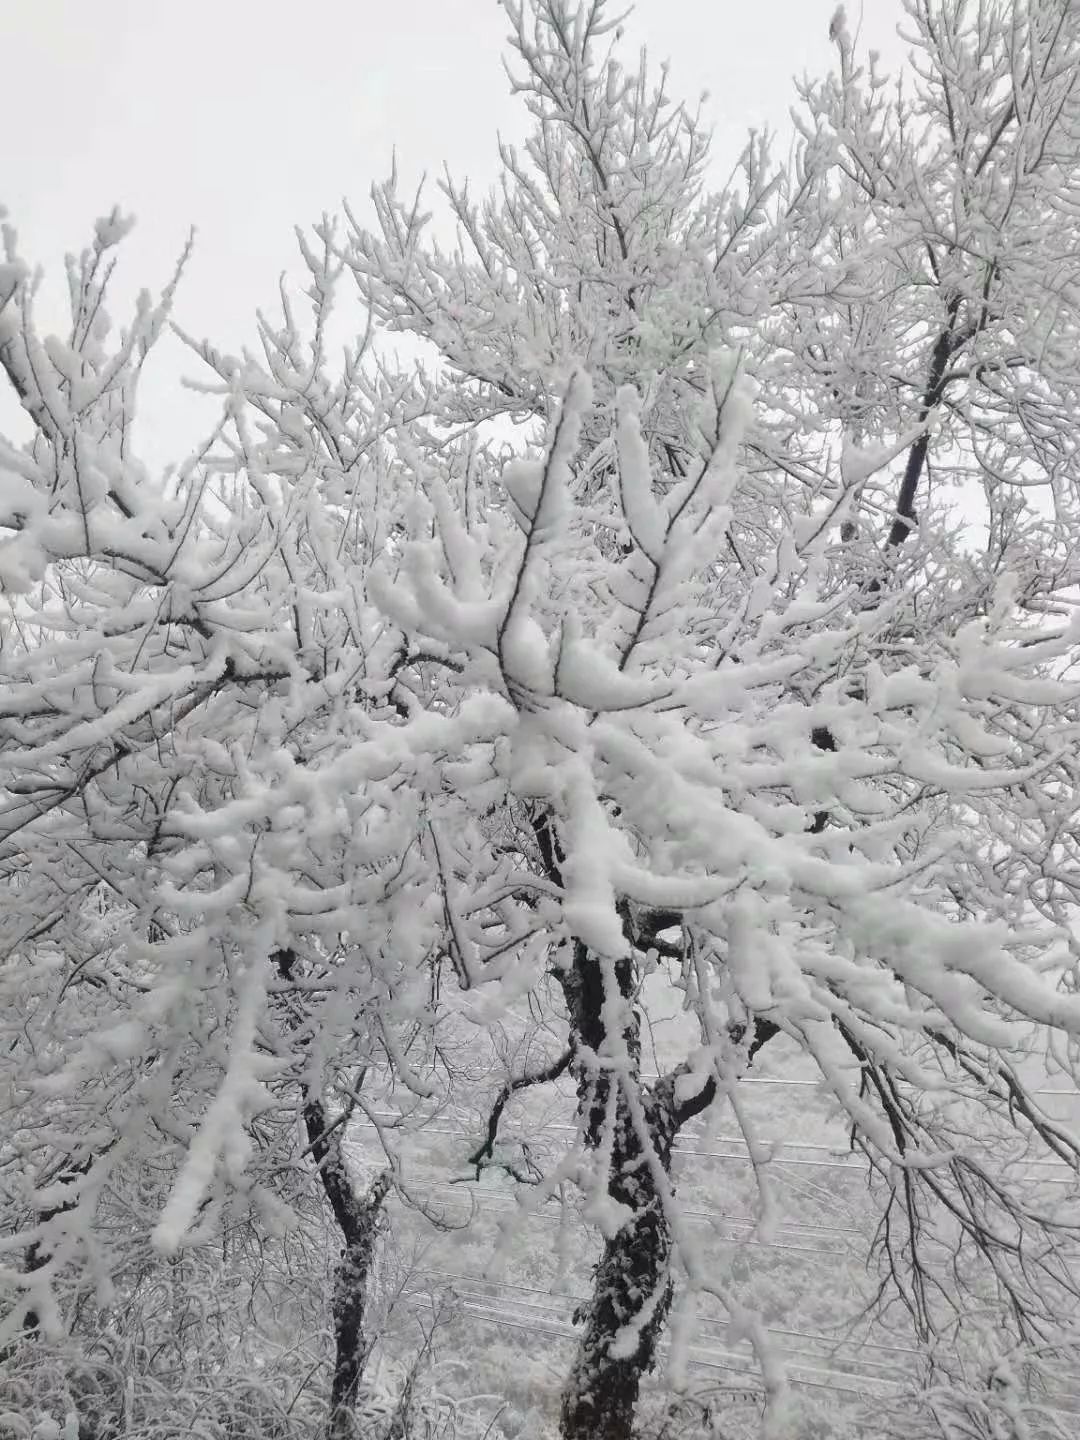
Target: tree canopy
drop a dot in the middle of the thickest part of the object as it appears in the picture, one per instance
(695, 620)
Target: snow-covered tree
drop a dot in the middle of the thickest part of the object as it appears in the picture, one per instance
(949, 199)
(665, 782)
(171, 646)
(890, 340)
(684, 690)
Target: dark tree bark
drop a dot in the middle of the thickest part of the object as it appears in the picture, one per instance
(632, 1284)
(357, 1217)
(38, 1254)
(601, 1392)
(945, 347)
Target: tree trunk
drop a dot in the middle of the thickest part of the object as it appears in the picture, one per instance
(348, 1306)
(632, 1283)
(357, 1218)
(631, 1287)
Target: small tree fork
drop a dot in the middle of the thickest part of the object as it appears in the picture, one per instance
(632, 1284)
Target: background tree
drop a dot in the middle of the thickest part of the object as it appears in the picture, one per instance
(164, 641)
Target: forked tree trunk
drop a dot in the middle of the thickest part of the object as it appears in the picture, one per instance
(632, 1284)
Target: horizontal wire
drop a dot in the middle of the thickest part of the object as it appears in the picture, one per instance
(584, 1300)
(510, 1207)
(732, 1364)
(495, 1201)
(550, 1313)
(856, 1167)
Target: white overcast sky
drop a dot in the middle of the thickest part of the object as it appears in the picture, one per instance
(247, 117)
